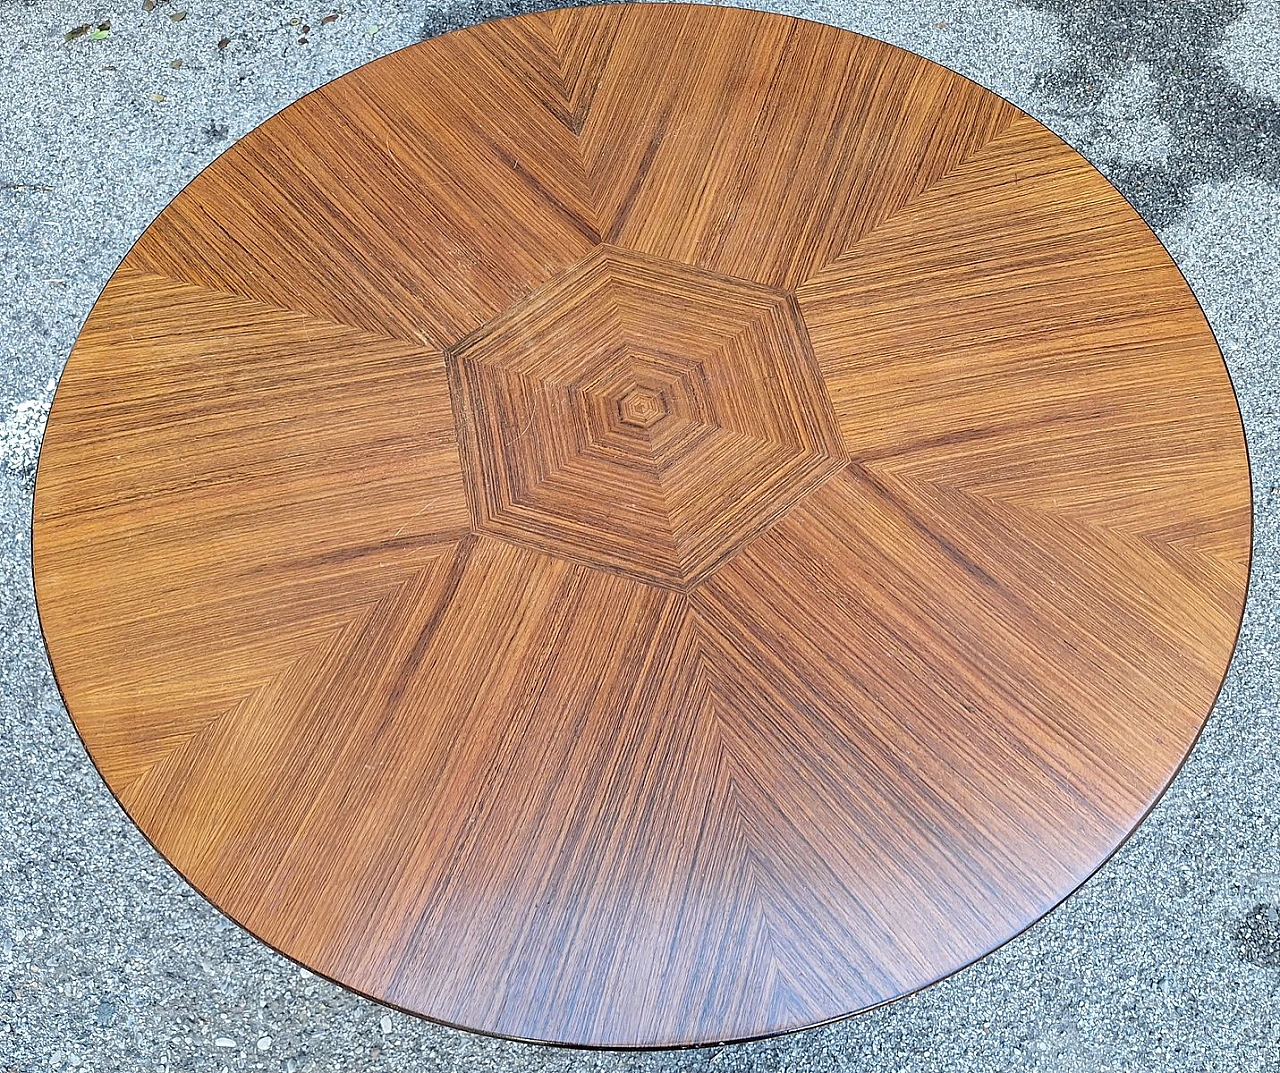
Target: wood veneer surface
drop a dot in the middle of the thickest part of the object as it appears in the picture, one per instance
(642, 525)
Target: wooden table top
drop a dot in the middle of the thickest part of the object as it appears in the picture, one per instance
(642, 525)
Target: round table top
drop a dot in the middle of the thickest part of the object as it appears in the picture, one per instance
(642, 525)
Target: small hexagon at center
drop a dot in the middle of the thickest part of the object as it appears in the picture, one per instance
(642, 407)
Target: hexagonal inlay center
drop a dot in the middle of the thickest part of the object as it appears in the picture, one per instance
(642, 407)
(643, 416)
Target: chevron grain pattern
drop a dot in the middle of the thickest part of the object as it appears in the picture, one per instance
(642, 525)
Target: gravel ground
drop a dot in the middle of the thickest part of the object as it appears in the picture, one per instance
(1169, 959)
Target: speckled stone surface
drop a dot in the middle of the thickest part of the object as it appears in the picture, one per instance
(1168, 960)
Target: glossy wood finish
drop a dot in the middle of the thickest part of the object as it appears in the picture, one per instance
(642, 525)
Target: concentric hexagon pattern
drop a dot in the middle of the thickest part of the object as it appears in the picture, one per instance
(642, 415)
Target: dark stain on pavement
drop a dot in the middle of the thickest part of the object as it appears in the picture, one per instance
(1219, 128)
(1258, 936)
(469, 12)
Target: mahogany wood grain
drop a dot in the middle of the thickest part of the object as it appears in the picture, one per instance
(642, 525)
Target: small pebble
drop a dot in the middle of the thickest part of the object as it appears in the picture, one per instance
(264, 1043)
(385, 1024)
(106, 1013)
(175, 64)
(224, 1041)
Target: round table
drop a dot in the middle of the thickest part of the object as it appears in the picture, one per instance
(642, 525)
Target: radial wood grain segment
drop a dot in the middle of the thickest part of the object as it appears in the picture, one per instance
(642, 525)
